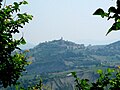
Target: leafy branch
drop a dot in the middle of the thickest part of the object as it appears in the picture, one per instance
(113, 13)
(11, 63)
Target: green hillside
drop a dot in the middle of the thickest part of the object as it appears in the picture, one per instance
(54, 60)
(60, 55)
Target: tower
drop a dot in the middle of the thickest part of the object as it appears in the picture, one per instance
(61, 38)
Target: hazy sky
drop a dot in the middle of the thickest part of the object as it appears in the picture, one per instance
(70, 19)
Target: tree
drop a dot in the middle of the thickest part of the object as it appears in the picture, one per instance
(113, 13)
(111, 79)
(11, 63)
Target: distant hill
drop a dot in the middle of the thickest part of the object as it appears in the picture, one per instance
(61, 55)
(54, 60)
(58, 55)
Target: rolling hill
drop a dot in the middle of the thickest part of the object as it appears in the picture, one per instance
(60, 55)
(54, 60)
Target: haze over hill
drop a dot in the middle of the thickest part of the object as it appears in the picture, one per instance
(54, 60)
(61, 55)
(27, 46)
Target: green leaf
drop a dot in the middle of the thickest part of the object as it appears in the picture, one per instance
(118, 20)
(16, 4)
(109, 31)
(112, 9)
(115, 26)
(110, 70)
(100, 12)
(25, 2)
(30, 17)
(18, 48)
(22, 41)
(20, 15)
(99, 71)
(73, 74)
